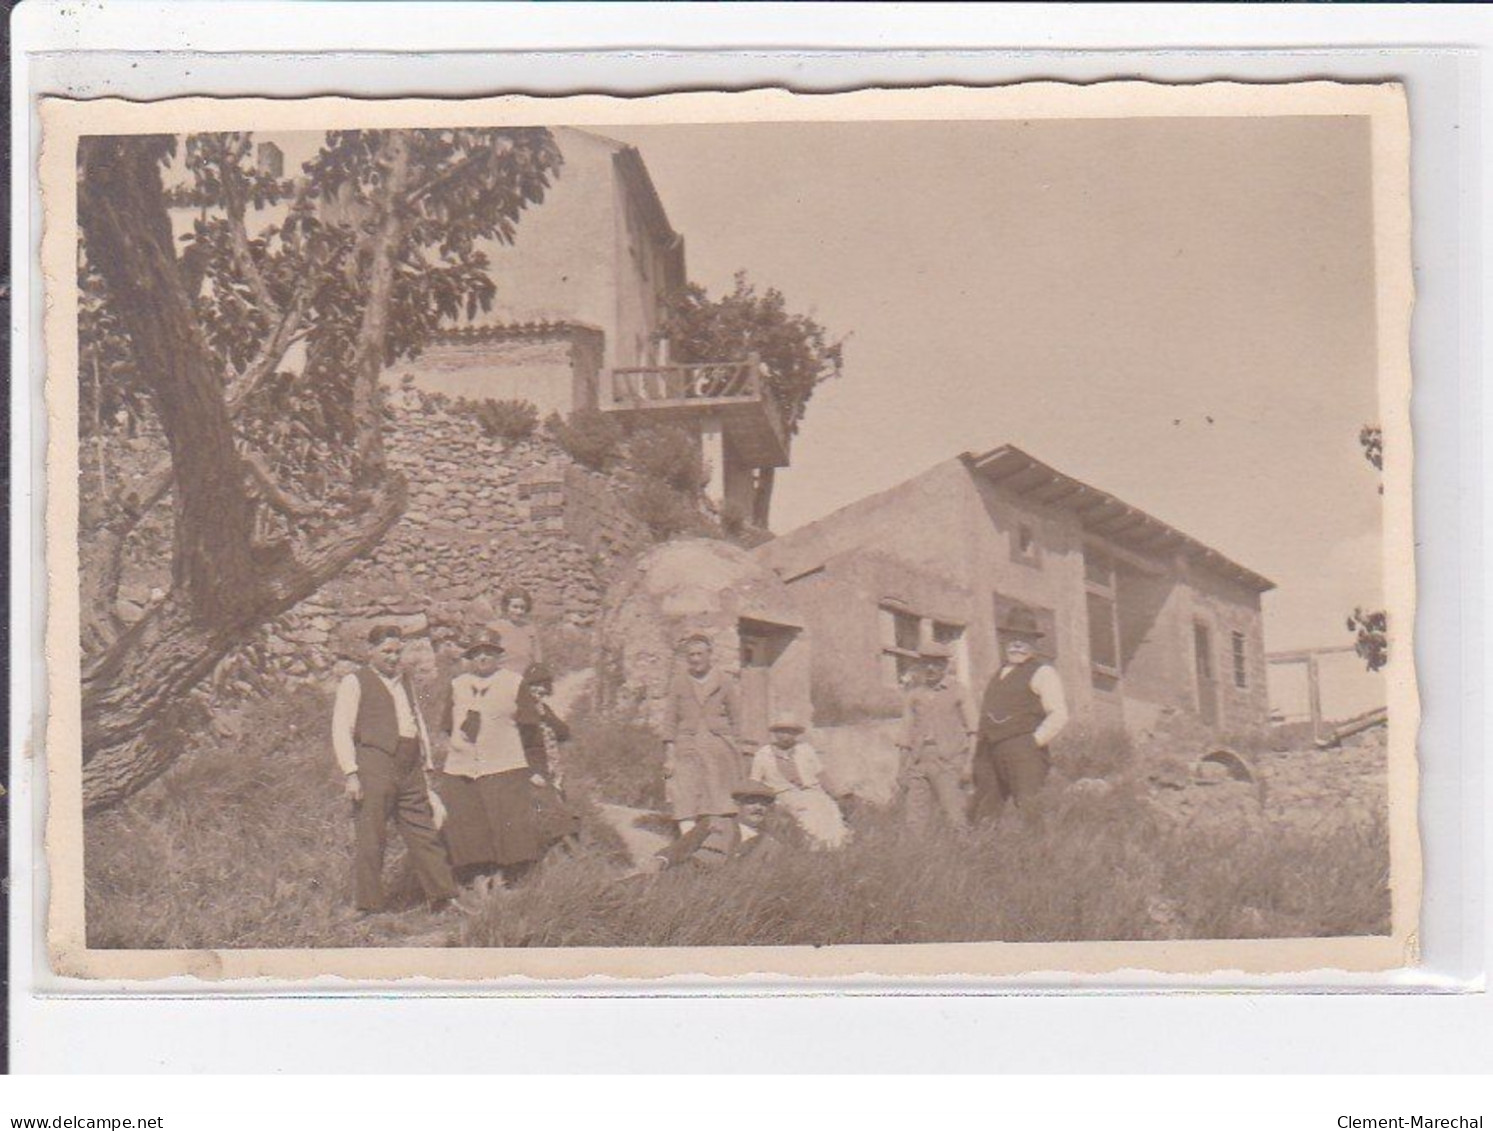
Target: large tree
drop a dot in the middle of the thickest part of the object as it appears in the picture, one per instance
(796, 352)
(274, 468)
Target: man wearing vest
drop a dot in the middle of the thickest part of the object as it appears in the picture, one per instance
(1022, 712)
(383, 749)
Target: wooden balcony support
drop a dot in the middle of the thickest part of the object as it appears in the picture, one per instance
(731, 393)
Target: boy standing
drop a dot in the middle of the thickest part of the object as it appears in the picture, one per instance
(938, 729)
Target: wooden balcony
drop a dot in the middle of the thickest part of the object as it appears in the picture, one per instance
(733, 391)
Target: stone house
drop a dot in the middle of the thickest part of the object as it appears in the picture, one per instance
(575, 324)
(580, 291)
(575, 321)
(1154, 633)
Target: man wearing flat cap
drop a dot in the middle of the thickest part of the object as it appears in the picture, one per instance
(1023, 710)
(383, 750)
(711, 844)
(938, 730)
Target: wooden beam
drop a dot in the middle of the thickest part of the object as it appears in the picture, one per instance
(1303, 655)
(1067, 489)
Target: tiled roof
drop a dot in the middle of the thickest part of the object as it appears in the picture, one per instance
(543, 328)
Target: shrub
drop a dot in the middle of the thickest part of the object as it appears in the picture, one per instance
(509, 421)
(591, 438)
(669, 455)
(665, 511)
(615, 761)
(567, 647)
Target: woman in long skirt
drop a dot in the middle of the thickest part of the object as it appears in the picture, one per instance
(486, 783)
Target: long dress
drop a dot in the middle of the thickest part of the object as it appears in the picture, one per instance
(485, 781)
(794, 777)
(702, 718)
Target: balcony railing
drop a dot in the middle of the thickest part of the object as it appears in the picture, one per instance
(651, 383)
(733, 388)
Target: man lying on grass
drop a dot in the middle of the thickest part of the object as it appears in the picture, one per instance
(721, 840)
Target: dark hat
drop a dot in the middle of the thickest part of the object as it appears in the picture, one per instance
(381, 632)
(786, 721)
(488, 640)
(753, 790)
(1021, 621)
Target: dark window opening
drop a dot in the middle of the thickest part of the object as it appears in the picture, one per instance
(1241, 668)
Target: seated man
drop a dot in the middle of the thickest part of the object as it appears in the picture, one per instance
(718, 840)
(791, 768)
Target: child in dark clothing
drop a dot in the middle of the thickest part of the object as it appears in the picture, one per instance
(542, 732)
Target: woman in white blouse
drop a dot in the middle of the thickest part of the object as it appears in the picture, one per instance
(486, 782)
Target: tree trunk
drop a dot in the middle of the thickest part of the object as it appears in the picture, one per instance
(223, 585)
(368, 355)
(129, 699)
(122, 211)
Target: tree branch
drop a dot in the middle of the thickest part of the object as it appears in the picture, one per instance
(128, 703)
(276, 497)
(235, 206)
(368, 355)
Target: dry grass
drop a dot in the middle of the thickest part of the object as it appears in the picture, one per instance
(246, 843)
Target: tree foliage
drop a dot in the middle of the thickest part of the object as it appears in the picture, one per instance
(796, 352)
(251, 348)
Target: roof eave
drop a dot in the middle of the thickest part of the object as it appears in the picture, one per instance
(1189, 547)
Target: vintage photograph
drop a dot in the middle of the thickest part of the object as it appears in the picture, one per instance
(930, 531)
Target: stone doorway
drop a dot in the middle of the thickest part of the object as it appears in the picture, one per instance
(763, 646)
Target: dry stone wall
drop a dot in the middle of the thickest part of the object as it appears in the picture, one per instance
(483, 515)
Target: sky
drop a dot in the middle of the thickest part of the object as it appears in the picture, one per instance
(1178, 311)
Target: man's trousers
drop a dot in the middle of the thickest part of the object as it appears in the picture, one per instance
(932, 781)
(394, 786)
(1011, 768)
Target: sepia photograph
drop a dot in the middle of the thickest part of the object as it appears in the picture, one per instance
(930, 532)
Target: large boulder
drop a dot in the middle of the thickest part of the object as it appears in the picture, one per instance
(686, 586)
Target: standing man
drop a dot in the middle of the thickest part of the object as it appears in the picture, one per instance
(703, 759)
(384, 752)
(938, 732)
(1023, 711)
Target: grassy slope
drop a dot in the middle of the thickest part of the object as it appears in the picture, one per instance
(246, 843)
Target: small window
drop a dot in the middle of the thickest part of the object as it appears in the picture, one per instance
(947, 633)
(1024, 546)
(907, 631)
(905, 634)
(1098, 567)
(1104, 648)
(901, 642)
(952, 635)
(1241, 668)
